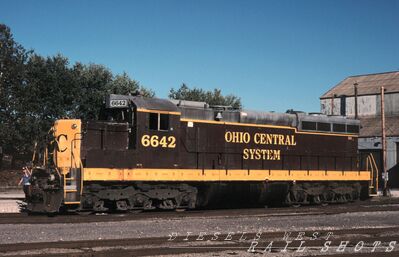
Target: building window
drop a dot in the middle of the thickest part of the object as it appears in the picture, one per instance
(158, 121)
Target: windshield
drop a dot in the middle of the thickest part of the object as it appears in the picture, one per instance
(117, 115)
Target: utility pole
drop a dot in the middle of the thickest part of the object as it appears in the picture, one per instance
(355, 86)
(384, 144)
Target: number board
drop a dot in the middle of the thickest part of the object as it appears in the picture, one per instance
(118, 103)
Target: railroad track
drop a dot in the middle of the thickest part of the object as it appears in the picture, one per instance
(389, 204)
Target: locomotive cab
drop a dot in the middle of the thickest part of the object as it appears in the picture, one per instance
(129, 125)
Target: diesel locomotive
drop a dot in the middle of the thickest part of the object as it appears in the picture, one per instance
(148, 153)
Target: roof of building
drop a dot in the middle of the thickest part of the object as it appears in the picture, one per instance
(371, 126)
(368, 84)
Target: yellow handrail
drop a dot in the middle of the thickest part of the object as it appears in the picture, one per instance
(76, 162)
(372, 166)
(376, 170)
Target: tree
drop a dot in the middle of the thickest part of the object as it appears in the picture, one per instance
(13, 58)
(124, 85)
(94, 82)
(214, 97)
(49, 94)
(35, 91)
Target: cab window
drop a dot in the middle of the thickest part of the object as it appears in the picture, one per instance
(153, 121)
(163, 122)
(158, 121)
(116, 115)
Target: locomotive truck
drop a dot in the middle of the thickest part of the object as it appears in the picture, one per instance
(148, 153)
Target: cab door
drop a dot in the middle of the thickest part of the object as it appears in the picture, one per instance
(158, 142)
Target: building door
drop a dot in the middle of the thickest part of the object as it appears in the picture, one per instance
(394, 171)
(397, 153)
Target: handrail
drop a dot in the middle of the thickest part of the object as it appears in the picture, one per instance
(372, 166)
(376, 169)
(75, 162)
(81, 176)
(72, 147)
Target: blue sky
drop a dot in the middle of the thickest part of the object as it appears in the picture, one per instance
(275, 55)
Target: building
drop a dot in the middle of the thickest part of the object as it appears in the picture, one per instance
(360, 97)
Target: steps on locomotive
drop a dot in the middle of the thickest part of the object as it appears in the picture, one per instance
(71, 188)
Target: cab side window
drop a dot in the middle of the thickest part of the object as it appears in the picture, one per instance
(158, 121)
(153, 121)
(163, 122)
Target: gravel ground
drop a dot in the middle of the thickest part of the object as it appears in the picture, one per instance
(157, 230)
(28, 233)
(149, 237)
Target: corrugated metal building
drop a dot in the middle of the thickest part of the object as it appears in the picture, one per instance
(340, 100)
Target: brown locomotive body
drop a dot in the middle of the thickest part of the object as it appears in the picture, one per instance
(154, 153)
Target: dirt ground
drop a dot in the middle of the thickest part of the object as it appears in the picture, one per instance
(10, 178)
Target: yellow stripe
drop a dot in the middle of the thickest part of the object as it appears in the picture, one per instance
(158, 111)
(237, 124)
(268, 126)
(105, 174)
